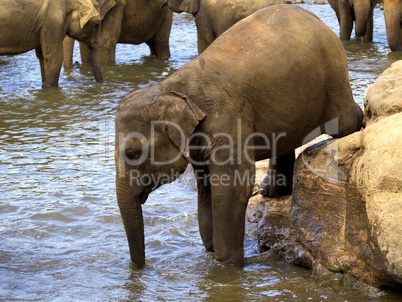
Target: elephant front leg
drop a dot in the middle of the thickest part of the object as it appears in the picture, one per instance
(39, 55)
(110, 33)
(346, 21)
(52, 67)
(368, 37)
(279, 179)
(204, 207)
(51, 54)
(159, 44)
(231, 187)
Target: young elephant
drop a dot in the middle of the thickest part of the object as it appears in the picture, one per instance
(255, 93)
(42, 25)
(358, 11)
(213, 17)
(132, 22)
(393, 23)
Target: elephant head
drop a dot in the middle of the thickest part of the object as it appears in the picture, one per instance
(84, 24)
(151, 132)
(179, 6)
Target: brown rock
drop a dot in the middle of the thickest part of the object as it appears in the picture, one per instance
(377, 177)
(345, 213)
(346, 209)
(384, 97)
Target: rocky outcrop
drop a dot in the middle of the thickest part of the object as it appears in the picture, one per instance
(345, 214)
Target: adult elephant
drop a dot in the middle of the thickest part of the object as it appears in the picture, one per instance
(213, 17)
(358, 11)
(132, 22)
(393, 23)
(43, 24)
(243, 99)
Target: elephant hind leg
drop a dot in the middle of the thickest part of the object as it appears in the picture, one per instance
(279, 179)
(348, 121)
(159, 44)
(204, 207)
(342, 116)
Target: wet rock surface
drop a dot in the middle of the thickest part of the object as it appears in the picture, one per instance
(345, 214)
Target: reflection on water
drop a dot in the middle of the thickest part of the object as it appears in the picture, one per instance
(61, 235)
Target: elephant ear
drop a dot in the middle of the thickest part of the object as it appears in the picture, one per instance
(87, 11)
(105, 6)
(190, 6)
(181, 116)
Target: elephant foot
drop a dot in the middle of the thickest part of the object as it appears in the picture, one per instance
(271, 188)
(235, 262)
(210, 249)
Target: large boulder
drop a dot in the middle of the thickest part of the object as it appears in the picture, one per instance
(384, 97)
(376, 177)
(345, 213)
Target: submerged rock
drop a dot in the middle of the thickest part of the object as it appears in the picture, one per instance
(345, 213)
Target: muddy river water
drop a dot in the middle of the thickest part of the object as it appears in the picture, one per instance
(61, 235)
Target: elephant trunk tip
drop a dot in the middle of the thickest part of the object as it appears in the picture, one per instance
(136, 262)
(98, 77)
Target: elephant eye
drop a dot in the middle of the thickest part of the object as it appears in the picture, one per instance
(132, 155)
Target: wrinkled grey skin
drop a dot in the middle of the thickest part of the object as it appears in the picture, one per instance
(358, 11)
(132, 22)
(243, 84)
(393, 23)
(214, 17)
(42, 25)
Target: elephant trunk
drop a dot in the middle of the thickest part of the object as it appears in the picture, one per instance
(362, 10)
(95, 55)
(131, 214)
(134, 226)
(68, 48)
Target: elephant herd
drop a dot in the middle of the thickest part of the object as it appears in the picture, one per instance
(241, 100)
(361, 12)
(100, 24)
